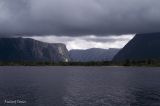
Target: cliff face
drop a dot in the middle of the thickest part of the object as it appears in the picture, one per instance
(141, 47)
(26, 49)
(93, 54)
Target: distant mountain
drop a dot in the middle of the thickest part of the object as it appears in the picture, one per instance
(94, 54)
(26, 49)
(141, 47)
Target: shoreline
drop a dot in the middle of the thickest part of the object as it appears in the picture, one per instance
(73, 66)
(145, 63)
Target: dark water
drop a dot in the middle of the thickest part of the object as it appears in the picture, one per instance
(79, 86)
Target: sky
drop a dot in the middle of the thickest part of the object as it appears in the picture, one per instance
(78, 18)
(86, 42)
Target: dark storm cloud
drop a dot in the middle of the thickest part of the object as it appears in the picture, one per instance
(79, 17)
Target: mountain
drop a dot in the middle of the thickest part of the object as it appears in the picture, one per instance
(26, 49)
(94, 54)
(141, 47)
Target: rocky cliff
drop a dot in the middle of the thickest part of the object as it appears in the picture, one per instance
(141, 47)
(26, 49)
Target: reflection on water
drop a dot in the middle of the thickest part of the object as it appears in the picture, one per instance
(79, 86)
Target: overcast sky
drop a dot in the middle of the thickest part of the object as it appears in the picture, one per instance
(79, 18)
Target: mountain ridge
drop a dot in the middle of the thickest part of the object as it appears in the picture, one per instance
(92, 54)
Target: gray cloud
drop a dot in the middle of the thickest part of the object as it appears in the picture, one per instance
(79, 17)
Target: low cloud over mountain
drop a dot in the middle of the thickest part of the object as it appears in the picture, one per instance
(86, 42)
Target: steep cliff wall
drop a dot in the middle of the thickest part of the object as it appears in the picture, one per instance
(141, 47)
(26, 49)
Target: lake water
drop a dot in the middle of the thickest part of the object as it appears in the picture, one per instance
(79, 86)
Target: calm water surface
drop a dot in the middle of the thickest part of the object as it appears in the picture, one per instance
(79, 86)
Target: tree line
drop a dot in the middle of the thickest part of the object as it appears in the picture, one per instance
(147, 62)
